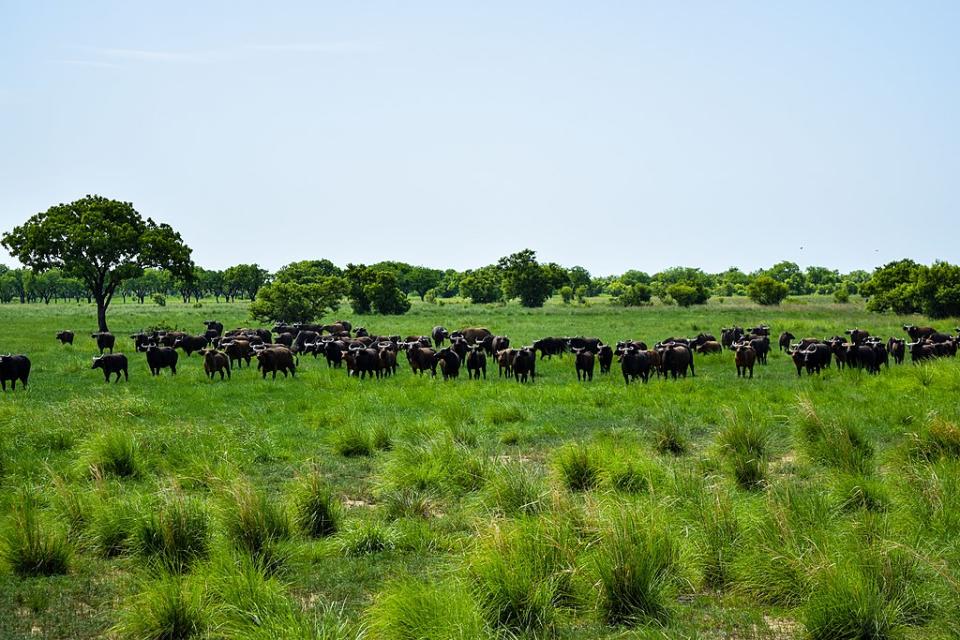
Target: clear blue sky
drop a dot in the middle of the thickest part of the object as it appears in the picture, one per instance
(614, 135)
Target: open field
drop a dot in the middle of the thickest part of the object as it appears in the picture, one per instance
(325, 506)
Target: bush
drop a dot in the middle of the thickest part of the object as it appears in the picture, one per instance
(29, 546)
(168, 609)
(686, 295)
(841, 295)
(636, 562)
(767, 291)
(317, 512)
(413, 610)
(566, 294)
(115, 453)
(635, 295)
(159, 299)
(579, 467)
(176, 534)
(521, 571)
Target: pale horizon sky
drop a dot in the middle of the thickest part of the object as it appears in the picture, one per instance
(615, 135)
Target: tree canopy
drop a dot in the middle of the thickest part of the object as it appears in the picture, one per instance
(101, 242)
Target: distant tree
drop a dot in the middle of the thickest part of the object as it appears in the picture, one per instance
(284, 301)
(894, 287)
(307, 272)
(46, 285)
(789, 273)
(695, 279)
(632, 277)
(358, 276)
(767, 291)
(938, 290)
(100, 241)
(213, 283)
(841, 295)
(244, 280)
(411, 278)
(635, 295)
(385, 295)
(566, 294)
(579, 277)
(822, 280)
(686, 295)
(525, 278)
(449, 284)
(482, 285)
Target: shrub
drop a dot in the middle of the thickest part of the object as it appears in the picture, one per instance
(367, 537)
(687, 295)
(635, 295)
(636, 562)
(29, 546)
(352, 440)
(413, 610)
(841, 295)
(115, 453)
(176, 534)
(317, 512)
(579, 467)
(168, 609)
(513, 489)
(767, 291)
(521, 571)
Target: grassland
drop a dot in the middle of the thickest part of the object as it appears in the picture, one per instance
(327, 507)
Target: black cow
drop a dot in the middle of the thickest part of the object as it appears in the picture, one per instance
(215, 362)
(761, 345)
(421, 359)
(112, 363)
(579, 342)
(13, 368)
(676, 359)
(476, 363)
(816, 358)
(525, 364)
(897, 349)
(161, 358)
(605, 358)
(363, 361)
(744, 356)
(105, 340)
(784, 341)
(190, 344)
(857, 335)
(449, 362)
(65, 337)
(273, 359)
(215, 326)
(549, 347)
(730, 335)
(440, 335)
(303, 337)
(918, 333)
(460, 346)
(505, 360)
(584, 361)
(634, 364)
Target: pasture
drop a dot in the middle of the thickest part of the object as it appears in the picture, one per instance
(323, 506)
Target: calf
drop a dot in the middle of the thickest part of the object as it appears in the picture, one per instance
(13, 368)
(505, 360)
(897, 349)
(440, 335)
(65, 337)
(584, 361)
(785, 339)
(161, 358)
(744, 357)
(105, 340)
(476, 363)
(605, 358)
(215, 362)
(110, 364)
(709, 346)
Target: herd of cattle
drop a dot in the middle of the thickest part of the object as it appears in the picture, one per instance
(365, 355)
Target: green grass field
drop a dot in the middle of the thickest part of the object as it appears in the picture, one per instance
(329, 507)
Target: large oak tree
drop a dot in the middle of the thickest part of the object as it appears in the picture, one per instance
(99, 241)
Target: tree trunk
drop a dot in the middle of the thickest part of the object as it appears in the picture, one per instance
(102, 313)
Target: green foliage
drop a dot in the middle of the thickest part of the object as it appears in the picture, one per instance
(566, 294)
(893, 287)
(525, 278)
(307, 272)
(243, 280)
(636, 563)
(99, 241)
(841, 295)
(483, 285)
(317, 512)
(767, 291)
(291, 302)
(29, 545)
(789, 273)
(414, 610)
(177, 534)
(938, 290)
(635, 295)
(371, 290)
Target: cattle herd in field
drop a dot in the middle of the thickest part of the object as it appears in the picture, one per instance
(364, 355)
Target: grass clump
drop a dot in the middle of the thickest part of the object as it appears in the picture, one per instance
(440, 465)
(115, 453)
(936, 440)
(382, 437)
(521, 572)
(167, 609)
(856, 492)
(416, 610)
(317, 512)
(670, 437)
(176, 534)
(719, 540)
(634, 476)
(840, 446)
(514, 489)
(636, 563)
(29, 545)
(407, 502)
(367, 537)
(112, 526)
(352, 441)
(255, 524)
(744, 445)
(500, 414)
(579, 467)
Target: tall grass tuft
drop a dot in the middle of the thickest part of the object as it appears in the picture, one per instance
(521, 572)
(352, 440)
(177, 534)
(440, 465)
(317, 512)
(856, 492)
(115, 453)
(367, 537)
(167, 609)
(633, 475)
(720, 538)
(255, 524)
(579, 467)
(745, 444)
(636, 563)
(407, 502)
(937, 439)
(414, 610)
(513, 488)
(670, 437)
(29, 545)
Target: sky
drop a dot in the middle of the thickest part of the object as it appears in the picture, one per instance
(613, 135)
